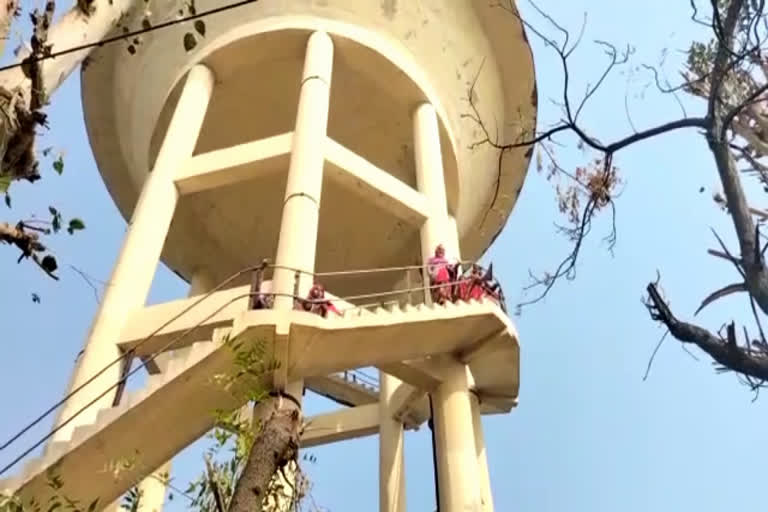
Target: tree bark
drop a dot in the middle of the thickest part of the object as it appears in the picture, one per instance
(22, 97)
(756, 274)
(276, 445)
(751, 361)
(7, 13)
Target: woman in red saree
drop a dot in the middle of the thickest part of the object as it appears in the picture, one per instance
(317, 303)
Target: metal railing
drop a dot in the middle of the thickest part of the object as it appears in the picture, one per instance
(418, 288)
(423, 291)
(357, 376)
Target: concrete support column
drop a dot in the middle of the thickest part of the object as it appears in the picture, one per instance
(135, 268)
(486, 493)
(153, 489)
(430, 181)
(301, 207)
(457, 472)
(201, 282)
(452, 246)
(391, 450)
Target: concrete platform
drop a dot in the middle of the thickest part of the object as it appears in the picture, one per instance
(148, 427)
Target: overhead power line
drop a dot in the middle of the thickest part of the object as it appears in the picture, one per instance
(128, 35)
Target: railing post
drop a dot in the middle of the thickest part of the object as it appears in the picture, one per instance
(409, 286)
(256, 299)
(297, 287)
(427, 282)
(125, 367)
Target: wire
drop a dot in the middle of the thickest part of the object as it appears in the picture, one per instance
(127, 35)
(434, 452)
(189, 308)
(181, 313)
(120, 358)
(122, 380)
(167, 347)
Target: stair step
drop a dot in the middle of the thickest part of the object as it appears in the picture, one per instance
(31, 467)
(137, 396)
(9, 485)
(199, 351)
(83, 432)
(57, 449)
(180, 355)
(157, 380)
(220, 334)
(107, 416)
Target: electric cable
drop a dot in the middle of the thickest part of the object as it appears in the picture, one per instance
(167, 346)
(126, 35)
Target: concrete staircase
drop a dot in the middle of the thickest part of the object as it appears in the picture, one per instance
(149, 426)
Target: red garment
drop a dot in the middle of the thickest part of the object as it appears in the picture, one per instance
(328, 306)
(476, 291)
(439, 274)
(317, 303)
(438, 269)
(471, 289)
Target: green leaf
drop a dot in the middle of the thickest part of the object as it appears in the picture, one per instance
(58, 165)
(189, 41)
(53, 211)
(200, 27)
(75, 225)
(5, 182)
(8, 200)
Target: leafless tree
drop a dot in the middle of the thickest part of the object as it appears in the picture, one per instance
(729, 73)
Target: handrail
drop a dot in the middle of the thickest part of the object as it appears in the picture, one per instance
(126, 355)
(363, 271)
(129, 354)
(359, 376)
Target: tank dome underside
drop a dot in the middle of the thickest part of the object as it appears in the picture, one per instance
(386, 62)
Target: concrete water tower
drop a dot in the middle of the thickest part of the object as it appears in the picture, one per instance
(329, 137)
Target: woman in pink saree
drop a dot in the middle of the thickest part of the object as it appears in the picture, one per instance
(440, 275)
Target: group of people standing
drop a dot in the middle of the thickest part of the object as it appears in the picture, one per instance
(447, 283)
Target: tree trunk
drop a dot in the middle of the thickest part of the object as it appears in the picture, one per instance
(7, 12)
(276, 445)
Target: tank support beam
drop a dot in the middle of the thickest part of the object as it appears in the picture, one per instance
(297, 245)
(391, 450)
(132, 276)
(301, 206)
(462, 469)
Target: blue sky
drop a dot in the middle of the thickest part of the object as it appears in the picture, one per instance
(589, 434)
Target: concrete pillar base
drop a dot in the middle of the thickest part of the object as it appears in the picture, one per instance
(391, 450)
(456, 460)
